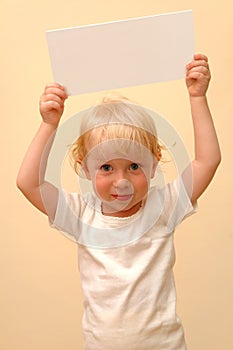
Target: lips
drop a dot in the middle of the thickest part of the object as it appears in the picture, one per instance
(122, 197)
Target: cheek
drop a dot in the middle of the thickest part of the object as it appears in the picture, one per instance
(141, 183)
(145, 184)
(101, 185)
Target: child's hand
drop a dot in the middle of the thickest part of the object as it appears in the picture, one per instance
(52, 103)
(198, 76)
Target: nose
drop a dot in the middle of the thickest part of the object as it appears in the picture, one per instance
(120, 180)
(122, 184)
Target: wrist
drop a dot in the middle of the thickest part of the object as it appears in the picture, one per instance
(49, 128)
(50, 125)
(198, 99)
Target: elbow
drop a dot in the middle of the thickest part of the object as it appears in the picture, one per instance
(218, 160)
(21, 183)
(215, 161)
(218, 157)
(18, 181)
(215, 164)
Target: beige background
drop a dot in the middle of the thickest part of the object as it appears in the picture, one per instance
(40, 297)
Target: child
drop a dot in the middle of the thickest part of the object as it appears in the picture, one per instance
(124, 231)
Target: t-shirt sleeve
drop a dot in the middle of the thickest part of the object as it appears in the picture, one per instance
(67, 214)
(177, 203)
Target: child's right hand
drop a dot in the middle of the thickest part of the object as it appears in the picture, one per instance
(52, 103)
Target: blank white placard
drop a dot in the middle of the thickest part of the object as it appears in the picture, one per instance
(123, 53)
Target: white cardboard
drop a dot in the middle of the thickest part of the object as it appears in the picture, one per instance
(123, 53)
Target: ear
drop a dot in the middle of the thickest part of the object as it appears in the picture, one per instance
(159, 156)
(155, 163)
(153, 169)
(86, 171)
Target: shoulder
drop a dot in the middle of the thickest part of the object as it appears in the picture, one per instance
(77, 202)
(72, 208)
(174, 202)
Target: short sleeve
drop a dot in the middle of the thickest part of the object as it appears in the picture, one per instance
(67, 214)
(177, 203)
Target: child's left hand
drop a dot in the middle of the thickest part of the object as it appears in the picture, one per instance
(198, 76)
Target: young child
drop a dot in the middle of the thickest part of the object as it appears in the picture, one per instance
(124, 230)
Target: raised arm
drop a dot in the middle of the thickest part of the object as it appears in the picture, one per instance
(206, 147)
(30, 179)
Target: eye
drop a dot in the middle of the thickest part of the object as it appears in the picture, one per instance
(106, 167)
(134, 166)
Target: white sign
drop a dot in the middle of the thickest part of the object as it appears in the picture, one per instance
(124, 53)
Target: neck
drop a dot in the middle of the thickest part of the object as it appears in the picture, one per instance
(122, 213)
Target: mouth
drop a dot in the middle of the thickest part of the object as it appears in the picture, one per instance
(121, 197)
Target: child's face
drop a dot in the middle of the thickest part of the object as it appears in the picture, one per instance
(122, 185)
(120, 179)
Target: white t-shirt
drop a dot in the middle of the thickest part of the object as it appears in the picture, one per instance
(126, 269)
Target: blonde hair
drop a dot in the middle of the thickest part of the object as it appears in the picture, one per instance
(114, 117)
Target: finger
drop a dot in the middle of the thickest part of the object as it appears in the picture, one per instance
(50, 105)
(54, 84)
(197, 76)
(200, 56)
(56, 89)
(54, 94)
(200, 69)
(197, 63)
(52, 97)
